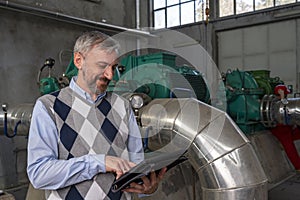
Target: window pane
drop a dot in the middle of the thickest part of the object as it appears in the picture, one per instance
(283, 2)
(187, 13)
(243, 6)
(190, 0)
(159, 4)
(173, 16)
(226, 8)
(159, 19)
(200, 10)
(262, 4)
(172, 2)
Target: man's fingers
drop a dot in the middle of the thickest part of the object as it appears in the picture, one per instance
(146, 181)
(136, 186)
(128, 166)
(162, 173)
(119, 173)
(149, 185)
(115, 164)
(131, 164)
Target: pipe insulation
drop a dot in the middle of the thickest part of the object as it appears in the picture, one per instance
(70, 19)
(274, 111)
(221, 154)
(17, 119)
(287, 112)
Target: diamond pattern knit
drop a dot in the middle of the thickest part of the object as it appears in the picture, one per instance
(86, 128)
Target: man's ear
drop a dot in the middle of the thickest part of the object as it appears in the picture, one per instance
(78, 60)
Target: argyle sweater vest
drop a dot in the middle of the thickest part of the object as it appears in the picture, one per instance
(86, 128)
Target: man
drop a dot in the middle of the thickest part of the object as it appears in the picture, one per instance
(81, 138)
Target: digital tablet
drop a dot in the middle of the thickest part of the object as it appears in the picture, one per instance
(154, 163)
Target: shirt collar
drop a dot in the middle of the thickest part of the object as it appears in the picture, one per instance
(75, 87)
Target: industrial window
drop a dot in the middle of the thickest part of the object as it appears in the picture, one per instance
(233, 7)
(170, 13)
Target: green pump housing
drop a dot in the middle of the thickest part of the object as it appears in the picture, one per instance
(48, 85)
(244, 91)
(158, 76)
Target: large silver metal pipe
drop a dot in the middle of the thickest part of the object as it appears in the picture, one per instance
(15, 120)
(287, 112)
(276, 111)
(221, 154)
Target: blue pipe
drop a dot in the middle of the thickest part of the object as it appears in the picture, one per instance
(5, 127)
(145, 142)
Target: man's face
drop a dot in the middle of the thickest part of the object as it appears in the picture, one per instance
(98, 69)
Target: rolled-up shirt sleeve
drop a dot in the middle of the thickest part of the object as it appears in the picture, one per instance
(45, 170)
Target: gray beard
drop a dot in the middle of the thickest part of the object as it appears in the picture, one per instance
(93, 87)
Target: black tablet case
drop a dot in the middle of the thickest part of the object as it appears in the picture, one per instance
(154, 163)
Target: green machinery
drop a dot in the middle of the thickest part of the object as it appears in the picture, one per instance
(50, 83)
(245, 91)
(154, 74)
(157, 76)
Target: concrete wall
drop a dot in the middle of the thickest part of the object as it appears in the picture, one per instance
(26, 41)
(117, 12)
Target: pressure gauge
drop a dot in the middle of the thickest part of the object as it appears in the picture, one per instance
(136, 101)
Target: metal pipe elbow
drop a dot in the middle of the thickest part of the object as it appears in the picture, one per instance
(221, 154)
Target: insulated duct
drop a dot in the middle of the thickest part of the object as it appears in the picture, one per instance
(287, 112)
(223, 157)
(15, 120)
(275, 111)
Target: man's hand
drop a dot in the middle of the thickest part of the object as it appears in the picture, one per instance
(117, 165)
(149, 185)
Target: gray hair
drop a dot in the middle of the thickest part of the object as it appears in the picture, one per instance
(92, 39)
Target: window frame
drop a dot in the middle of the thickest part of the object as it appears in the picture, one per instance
(179, 4)
(254, 8)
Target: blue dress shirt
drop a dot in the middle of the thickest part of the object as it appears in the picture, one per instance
(46, 171)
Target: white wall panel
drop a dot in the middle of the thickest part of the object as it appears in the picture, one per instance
(282, 36)
(231, 63)
(231, 43)
(283, 64)
(255, 62)
(255, 40)
(273, 47)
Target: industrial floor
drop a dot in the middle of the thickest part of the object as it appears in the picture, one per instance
(288, 190)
